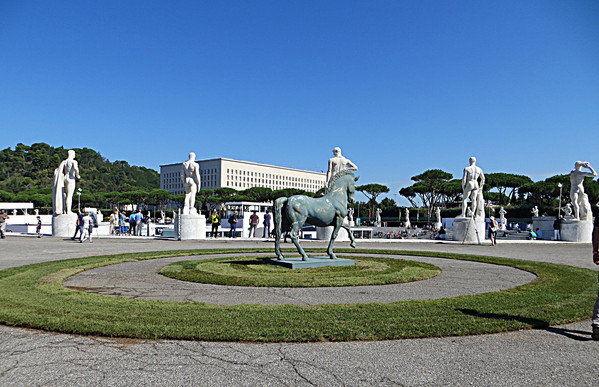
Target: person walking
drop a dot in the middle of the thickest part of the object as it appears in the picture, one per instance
(557, 225)
(215, 223)
(38, 229)
(233, 224)
(493, 227)
(86, 229)
(254, 220)
(3, 218)
(78, 225)
(266, 223)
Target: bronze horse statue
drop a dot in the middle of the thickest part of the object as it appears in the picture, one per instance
(291, 213)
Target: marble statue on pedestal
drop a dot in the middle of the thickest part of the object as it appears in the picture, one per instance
(580, 201)
(407, 223)
(350, 216)
(473, 181)
(191, 181)
(337, 164)
(378, 222)
(568, 210)
(502, 219)
(535, 212)
(64, 184)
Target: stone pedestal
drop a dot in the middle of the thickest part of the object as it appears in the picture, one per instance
(469, 230)
(188, 227)
(574, 230)
(64, 225)
(544, 224)
(324, 234)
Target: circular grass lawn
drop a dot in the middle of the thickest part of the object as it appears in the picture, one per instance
(33, 296)
(256, 271)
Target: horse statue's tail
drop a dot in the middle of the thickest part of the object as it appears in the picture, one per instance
(278, 220)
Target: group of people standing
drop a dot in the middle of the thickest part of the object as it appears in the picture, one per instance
(121, 224)
(233, 220)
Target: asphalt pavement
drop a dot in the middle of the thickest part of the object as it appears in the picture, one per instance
(560, 355)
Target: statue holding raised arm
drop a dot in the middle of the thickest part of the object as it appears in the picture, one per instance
(64, 184)
(337, 164)
(580, 201)
(191, 181)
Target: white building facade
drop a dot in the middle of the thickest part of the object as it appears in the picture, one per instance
(241, 175)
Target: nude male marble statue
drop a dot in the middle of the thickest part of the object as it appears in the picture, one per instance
(473, 181)
(64, 184)
(378, 217)
(535, 211)
(582, 209)
(191, 181)
(338, 163)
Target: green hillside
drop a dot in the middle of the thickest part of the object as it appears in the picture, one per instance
(28, 171)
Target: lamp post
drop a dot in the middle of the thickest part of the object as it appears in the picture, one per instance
(559, 209)
(79, 199)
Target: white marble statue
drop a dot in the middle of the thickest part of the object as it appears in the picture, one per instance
(350, 215)
(64, 184)
(162, 217)
(36, 212)
(535, 212)
(568, 210)
(14, 212)
(378, 222)
(438, 214)
(407, 223)
(473, 181)
(580, 201)
(338, 163)
(502, 213)
(191, 181)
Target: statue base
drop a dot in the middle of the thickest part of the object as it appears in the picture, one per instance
(574, 230)
(190, 227)
(469, 230)
(311, 262)
(545, 225)
(64, 225)
(324, 234)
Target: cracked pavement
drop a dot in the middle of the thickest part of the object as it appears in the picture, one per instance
(560, 355)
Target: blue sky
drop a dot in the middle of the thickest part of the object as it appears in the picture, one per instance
(400, 86)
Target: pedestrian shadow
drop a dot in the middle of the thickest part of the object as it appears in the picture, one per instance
(534, 324)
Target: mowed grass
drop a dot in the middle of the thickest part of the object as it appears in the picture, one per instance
(255, 271)
(33, 296)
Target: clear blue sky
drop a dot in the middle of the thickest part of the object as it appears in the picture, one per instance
(400, 86)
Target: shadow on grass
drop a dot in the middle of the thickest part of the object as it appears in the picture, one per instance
(534, 324)
(258, 261)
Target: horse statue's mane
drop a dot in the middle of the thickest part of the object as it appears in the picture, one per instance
(340, 174)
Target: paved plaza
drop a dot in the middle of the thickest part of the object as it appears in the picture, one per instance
(560, 355)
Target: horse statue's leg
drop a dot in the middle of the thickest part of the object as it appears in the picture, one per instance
(278, 220)
(351, 235)
(295, 227)
(338, 223)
